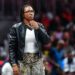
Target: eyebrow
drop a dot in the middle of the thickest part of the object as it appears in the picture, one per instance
(29, 10)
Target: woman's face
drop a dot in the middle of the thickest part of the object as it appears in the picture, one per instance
(28, 13)
(61, 46)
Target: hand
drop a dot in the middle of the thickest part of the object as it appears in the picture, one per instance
(34, 24)
(16, 70)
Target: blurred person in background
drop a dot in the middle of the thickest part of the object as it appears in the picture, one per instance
(45, 54)
(45, 21)
(67, 45)
(48, 66)
(52, 37)
(56, 57)
(25, 41)
(66, 16)
(72, 22)
(72, 36)
(54, 24)
(66, 38)
(74, 49)
(59, 34)
(69, 64)
(5, 67)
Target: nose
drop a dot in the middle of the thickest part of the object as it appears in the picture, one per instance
(31, 14)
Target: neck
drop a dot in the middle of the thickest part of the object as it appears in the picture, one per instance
(27, 22)
(57, 48)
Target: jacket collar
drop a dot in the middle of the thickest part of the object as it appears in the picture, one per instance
(25, 26)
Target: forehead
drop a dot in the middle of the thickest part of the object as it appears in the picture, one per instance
(28, 8)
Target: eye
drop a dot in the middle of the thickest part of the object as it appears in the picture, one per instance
(29, 11)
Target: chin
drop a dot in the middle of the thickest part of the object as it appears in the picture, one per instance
(31, 19)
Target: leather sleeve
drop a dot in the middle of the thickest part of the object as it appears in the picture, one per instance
(43, 36)
(13, 45)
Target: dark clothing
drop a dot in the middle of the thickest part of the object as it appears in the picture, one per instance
(56, 71)
(0, 70)
(17, 40)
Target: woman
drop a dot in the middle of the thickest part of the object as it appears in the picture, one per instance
(25, 41)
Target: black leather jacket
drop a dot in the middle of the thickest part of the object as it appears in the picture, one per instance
(17, 40)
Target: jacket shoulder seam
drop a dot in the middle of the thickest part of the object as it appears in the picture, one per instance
(17, 25)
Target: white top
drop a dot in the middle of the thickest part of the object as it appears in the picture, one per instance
(70, 68)
(7, 69)
(30, 42)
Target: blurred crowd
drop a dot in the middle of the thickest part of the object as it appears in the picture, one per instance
(59, 23)
(60, 27)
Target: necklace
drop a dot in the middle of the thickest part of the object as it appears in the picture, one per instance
(29, 25)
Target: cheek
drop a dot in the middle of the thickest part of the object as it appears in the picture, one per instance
(33, 14)
(25, 15)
